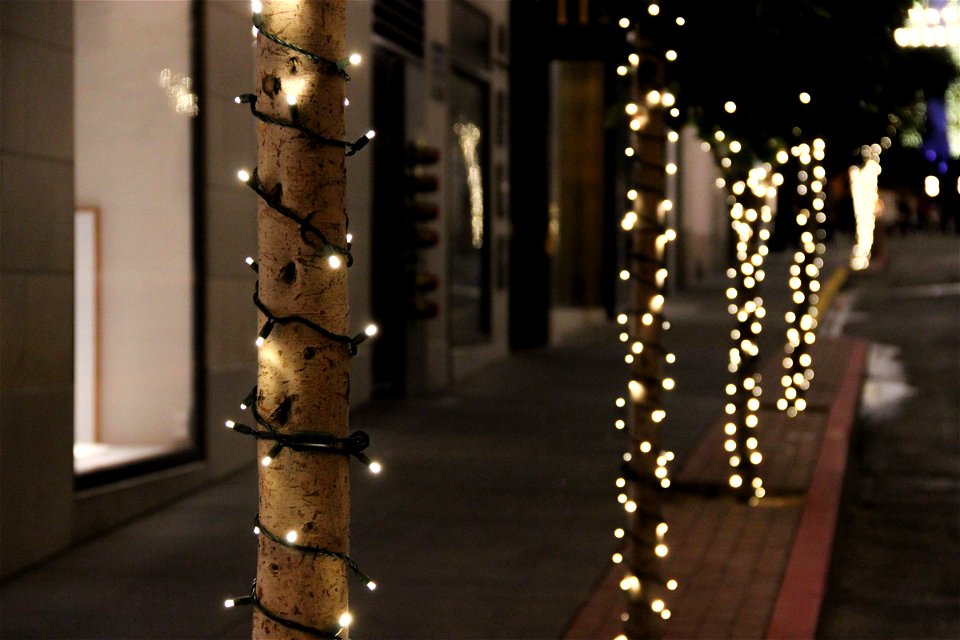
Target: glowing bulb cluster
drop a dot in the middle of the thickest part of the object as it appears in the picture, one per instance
(866, 205)
(750, 217)
(804, 280)
(645, 220)
(929, 26)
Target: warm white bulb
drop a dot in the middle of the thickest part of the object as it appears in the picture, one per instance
(266, 460)
(372, 585)
(230, 424)
(371, 134)
(256, 6)
(229, 603)
(292, 99)
(371, 330)
(244, 175)
(345, 619)
(334, 261)
(375, 467)
(805, 98)
(355, 58)
(624, 23)
(259, 341)
(291, 536)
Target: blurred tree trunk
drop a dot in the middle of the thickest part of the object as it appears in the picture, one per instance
(645, 322)
(303, 377)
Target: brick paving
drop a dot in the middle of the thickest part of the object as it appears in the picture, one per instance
(730, 558)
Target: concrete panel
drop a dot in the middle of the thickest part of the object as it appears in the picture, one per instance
(36, 472)
(231, 324)
(98, 510)
(231, 231)
(49, 22)
(37, 205)
(36, 331)
(226, 450)
(231, 142)
(230, 54)
(37, 89)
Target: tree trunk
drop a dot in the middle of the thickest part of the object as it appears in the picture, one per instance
(804, 278)
(750, 216)
(303, 381)
(645, 223)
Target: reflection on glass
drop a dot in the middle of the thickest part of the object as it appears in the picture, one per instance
(469, 289)
(469, 135)
(178, 88)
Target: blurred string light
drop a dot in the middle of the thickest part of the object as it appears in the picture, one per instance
(937, 24)
(645, 468)
(930, 26)
(179, 89)
(750, 217)
(468, 135)
(866, 205)
(804, 282)
(337, 255)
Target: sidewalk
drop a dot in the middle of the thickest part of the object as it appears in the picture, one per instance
(493, 517)
(755, 572)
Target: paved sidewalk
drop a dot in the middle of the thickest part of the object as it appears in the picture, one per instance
(754, 572)
(493, 517)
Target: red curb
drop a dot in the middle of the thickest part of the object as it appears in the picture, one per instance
(797, 609)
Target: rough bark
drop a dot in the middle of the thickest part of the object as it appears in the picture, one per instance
(303, 377)
(647, 247)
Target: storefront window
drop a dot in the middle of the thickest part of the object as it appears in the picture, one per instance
(134, 357)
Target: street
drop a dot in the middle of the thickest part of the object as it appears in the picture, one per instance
(896, 570)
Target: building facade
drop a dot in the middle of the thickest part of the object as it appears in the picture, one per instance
(127, 326)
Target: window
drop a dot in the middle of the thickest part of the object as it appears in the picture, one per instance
(134, 357)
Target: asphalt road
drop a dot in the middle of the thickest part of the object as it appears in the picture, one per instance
(896, 571)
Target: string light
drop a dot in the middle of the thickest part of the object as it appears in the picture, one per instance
(750, 218)
(866, 206)
(645, 469)
(351, 148)
(804, 280)
(254, 600)
(337, 254)
(308, 232)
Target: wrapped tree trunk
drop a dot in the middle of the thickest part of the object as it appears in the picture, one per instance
(645, 462)
(303, 381)
(750, 217)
